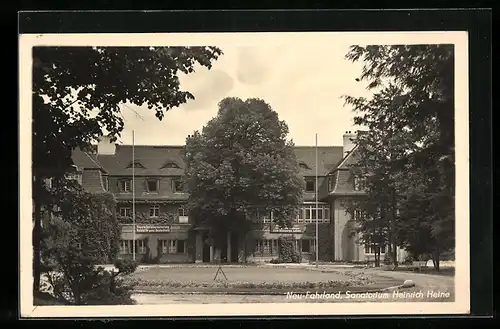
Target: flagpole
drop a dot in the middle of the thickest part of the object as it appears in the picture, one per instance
(133, 193)
(316, 195)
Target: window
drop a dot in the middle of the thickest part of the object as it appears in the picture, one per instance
(77, 177)
(125, 212)
(310, 185)
(177, 185)
(358, 214)
(267, 247)
(307, 245)
(173, 246)
(183, 215)
(79, 245)
(303, 165)
(125, 185)
(310, 212)
(135, 164)
(359, 183)
(300, 215)
(267, 218)
(152, 185)
(154, 211)
(105, 182)
(126, 246)
(140, 246)
(371, 248)
(170, 165)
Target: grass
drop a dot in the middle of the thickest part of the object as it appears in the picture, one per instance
(138, 283)
(445, 271)
(257, 279)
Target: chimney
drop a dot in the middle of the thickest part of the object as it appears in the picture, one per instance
(348, 144)
(105, 146)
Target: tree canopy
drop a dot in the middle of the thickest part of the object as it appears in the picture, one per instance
(77, 93)
(77, 97)
(407, 154)
(241, 166)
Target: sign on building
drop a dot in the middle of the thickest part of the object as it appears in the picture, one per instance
(152, 228)
(293, 229)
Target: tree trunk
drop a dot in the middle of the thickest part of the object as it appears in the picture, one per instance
(395, 255)
(435, 258)
(377, 257)
(36, 236)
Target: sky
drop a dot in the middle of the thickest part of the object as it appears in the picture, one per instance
(304, 85)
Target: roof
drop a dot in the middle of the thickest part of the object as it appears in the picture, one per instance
(153, 158)
(328, 157)
(85, 160)
(92, 180)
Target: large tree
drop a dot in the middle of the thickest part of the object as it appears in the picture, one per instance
(411, 117)
(240, 166)
(77, 97)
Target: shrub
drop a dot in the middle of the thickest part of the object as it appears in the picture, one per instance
(287, 252)
(83, 234)
(408, 260)
(275, 261)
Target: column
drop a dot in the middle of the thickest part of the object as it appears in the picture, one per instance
(211, 254)
(198, 248)
(229, 247)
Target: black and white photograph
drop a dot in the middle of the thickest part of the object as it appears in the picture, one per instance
(244, 174)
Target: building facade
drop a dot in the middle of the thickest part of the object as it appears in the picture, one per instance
(164, 232)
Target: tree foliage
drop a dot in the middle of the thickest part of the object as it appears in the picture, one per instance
(77, 94)
(407, 156)
(82, 233)
(241, 166)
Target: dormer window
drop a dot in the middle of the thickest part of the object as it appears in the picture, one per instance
(310, 185)
(152, 185)
(135, 164)
(170, 165)
(125, 185)
(177, 185)
(303, 165)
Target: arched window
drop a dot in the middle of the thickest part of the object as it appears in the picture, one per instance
(303, 165)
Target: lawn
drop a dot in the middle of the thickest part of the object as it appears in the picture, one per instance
(250, 279)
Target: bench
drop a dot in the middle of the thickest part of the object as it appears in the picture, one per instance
(419, 264)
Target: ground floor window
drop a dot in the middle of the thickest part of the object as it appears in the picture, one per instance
(371, 248)
(307, 245)
(126, 246)
(173, 246)
(266, 247)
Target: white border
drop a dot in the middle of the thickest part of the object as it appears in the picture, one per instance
(462, 296)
